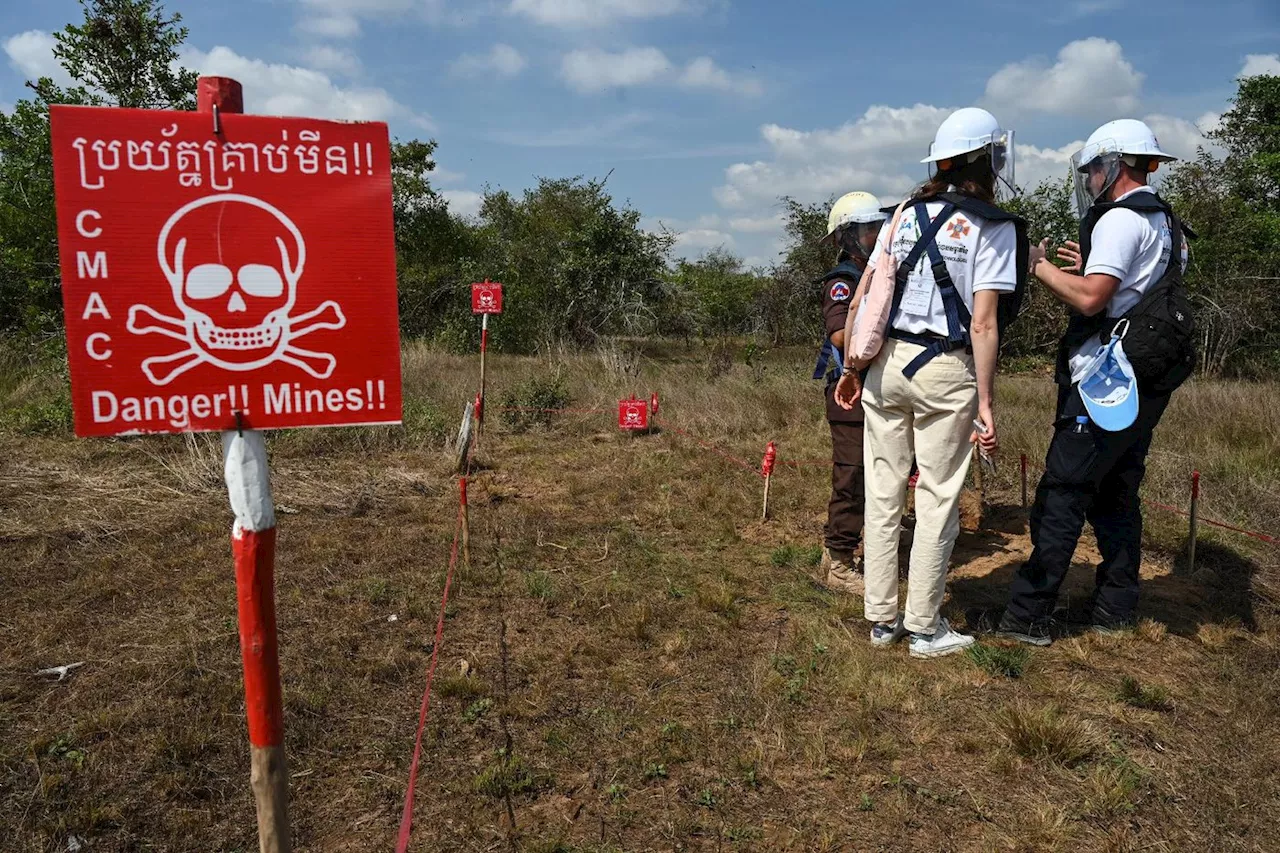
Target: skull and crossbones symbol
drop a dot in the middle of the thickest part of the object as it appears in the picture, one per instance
(633, 417)
(486, 299)
(233, 263)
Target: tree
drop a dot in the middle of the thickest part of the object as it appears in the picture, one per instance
(126, 53)
(579, 266)
(790, 306)
(719, 295)
(432, 245)
(1050, 213)
(123, 54)
(1234, 204)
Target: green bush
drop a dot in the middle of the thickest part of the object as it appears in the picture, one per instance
(531, 403)
(47, 416)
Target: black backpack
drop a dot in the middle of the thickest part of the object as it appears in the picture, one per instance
(1159, 332)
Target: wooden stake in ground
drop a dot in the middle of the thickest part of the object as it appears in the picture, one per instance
(484, 346)
(466, 523)
(253, 543)
(766, 468)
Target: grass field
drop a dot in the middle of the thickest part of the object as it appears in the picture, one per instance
(648, 666)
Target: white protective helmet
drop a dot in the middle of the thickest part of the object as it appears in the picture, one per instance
(966, 135)
(860, 214)
(1125, 140)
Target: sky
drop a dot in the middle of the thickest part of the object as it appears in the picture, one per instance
(703, 113)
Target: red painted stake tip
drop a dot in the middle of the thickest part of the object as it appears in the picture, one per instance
(223, 92)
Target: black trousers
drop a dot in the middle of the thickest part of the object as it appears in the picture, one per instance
(1092, 476)
(848, 495)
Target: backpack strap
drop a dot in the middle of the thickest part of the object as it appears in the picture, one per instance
(828, 350)
(958, 317)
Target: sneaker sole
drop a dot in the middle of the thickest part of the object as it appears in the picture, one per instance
(1025, 638)
(886, 641)
(941, 653)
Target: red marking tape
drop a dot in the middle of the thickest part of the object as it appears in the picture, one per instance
(406, 818)
(255, 597)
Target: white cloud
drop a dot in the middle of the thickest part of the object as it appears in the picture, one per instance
(1261, 63)
(757, 224)
(340, 19)
(698, 240)
(595, 70)
(31, 55)
(502, 60)
(875, 153)
(616, 131)
(1090, 79)
(1182, 138)
(595, 13)
(1033, 166)
(330, 26)
(442, 177)
(278, 89)
(328, 58)
(703, 73)
(463, 202)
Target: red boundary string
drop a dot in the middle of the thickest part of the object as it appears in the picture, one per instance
(709, 446)
(406, 819)
(1254, 534)
(1261, 537)
(553, 411)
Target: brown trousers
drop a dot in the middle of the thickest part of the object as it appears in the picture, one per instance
(844, 511)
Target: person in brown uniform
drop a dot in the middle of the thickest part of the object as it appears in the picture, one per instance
(852, 227)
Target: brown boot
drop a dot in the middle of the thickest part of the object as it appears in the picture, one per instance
(843, 572)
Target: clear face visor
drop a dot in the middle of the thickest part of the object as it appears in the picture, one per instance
(1094, 176)
(858, 238)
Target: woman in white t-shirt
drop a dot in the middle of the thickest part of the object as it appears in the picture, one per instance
(935, 374)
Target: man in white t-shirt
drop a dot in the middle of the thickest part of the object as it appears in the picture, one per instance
(1092, 474)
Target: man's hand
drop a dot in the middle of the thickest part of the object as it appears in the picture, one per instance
(849, 390)
(1070, 255)
(1038, 254)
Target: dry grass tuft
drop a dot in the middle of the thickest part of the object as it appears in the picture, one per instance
(1048, 734)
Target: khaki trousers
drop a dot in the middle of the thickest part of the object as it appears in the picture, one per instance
(930, 418)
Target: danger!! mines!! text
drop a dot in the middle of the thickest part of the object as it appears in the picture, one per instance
(282, 399)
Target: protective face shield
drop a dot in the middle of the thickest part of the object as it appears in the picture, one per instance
(858, 238)
(1096, 175)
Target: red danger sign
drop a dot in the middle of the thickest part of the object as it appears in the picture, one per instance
(486, 298)
(633, 414)
(207, 275)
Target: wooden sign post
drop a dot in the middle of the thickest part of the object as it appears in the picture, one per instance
(231, 273)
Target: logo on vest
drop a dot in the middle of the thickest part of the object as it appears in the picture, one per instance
(959, 228)
(839, 291)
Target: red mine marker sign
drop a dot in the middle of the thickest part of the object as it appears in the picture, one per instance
(243, 264)
(486, 298)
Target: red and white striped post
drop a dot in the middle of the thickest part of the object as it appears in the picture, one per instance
(484, 348)
(253, 544)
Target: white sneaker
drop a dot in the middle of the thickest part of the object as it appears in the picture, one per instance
(941, 642)
(888, 633)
